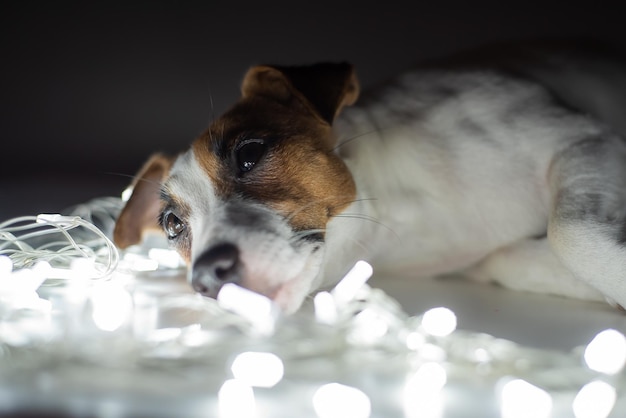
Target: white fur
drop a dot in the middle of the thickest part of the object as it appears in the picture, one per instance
(449, 199)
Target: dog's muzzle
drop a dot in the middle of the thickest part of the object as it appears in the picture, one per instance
(215, 267)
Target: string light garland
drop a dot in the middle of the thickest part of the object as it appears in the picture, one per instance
(89, 332)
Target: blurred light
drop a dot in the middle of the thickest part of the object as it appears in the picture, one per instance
(520, 399)
(127, 193)
(415, 340)
(432, 352)
(439, 322)
(29, 280)
(256, 308)
(348, 287)
(6, 265)
(84, 268)
(325, 308)
(606, 353)
(368, 327)
(258, 369)
(165, 334)
(481, 355)
(430, 377)
(145, 314)
(111, 306)
(335, 400)
(140, 263)
(424, 407)
(236, 400)
(165, 258)
(18, 290)
(198, 338)
(422, 392)
(594, 400)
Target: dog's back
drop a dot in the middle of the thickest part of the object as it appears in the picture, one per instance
(588, 76)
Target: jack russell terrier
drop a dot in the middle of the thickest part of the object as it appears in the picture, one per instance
(507, 167)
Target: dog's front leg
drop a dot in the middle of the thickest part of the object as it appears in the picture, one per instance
(587, 226)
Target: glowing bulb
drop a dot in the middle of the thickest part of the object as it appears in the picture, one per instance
(335, 400)
(594, 400)
(606, 353)
(325, 308)
(439, 322)
(258, 369)
(348, 287)
(520, 399)
(111, 306)
(6, 266)
(256, 308)
(236, 400)
(422, 391)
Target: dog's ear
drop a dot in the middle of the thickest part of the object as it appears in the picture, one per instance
(142, 209)
(324, 88)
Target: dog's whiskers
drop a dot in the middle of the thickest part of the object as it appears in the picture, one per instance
(293, 214)
(341, 143)
(369, 219)
(135, 178)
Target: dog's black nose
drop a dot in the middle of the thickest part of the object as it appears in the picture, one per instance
(215, 267)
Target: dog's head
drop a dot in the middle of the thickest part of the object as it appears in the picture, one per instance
(250, 200)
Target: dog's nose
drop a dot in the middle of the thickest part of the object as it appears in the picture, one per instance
(215, 267)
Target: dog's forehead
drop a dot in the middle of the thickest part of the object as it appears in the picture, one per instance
(189, 182)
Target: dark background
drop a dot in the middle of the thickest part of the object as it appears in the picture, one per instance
(87, 92)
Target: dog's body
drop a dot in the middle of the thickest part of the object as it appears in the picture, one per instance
(512, 171)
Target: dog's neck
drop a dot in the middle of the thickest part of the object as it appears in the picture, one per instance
(362, 230)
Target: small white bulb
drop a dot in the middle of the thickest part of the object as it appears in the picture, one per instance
(439, 321)
(606, 353)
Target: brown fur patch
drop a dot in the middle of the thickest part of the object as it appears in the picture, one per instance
(299, 176)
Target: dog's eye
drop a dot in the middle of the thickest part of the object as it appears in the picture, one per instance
(249, 153)
(173, 225)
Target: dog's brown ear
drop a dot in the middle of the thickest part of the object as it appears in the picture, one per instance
(144, 206)
(324, 88)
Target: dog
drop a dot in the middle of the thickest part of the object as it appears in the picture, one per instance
(507, 166)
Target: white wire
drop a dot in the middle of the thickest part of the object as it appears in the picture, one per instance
(57, 239)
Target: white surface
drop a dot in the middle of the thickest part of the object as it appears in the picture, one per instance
(535, 320)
